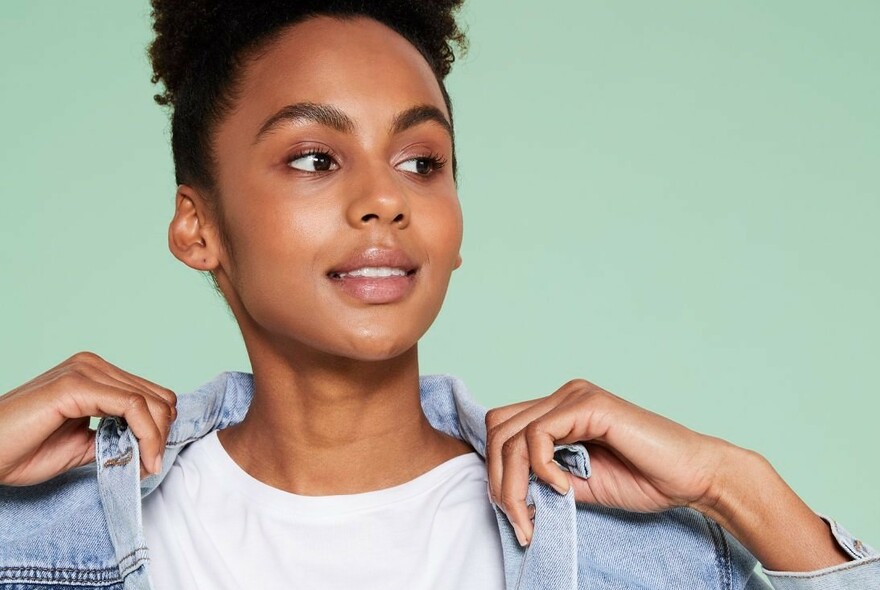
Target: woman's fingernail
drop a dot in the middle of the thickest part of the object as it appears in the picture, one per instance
(157, 464)
(520, 537)
(561, 491)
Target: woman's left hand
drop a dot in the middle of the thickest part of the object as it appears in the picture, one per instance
(640, 460)
(643, 462)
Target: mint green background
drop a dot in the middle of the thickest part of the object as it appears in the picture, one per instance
(678, 201)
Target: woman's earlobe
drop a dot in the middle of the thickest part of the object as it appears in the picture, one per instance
(187, 232)
(457, 261)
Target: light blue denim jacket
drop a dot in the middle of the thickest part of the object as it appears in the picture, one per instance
(82, 529)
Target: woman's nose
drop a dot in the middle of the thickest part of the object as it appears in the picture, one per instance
(380, 200)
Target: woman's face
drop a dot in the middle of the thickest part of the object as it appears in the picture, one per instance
(338, 156)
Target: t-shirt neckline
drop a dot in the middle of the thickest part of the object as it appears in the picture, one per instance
(264, 494)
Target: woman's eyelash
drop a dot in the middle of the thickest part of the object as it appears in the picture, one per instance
(308, 152)
(434, 160)
(437, 160)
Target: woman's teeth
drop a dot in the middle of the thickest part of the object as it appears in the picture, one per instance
(372, 272)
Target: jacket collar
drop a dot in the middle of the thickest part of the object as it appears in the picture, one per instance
(225, 400)
(549, 561)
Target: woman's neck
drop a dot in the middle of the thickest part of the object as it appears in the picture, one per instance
(344, 427)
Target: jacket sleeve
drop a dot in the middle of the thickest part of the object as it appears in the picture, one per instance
(862, 573)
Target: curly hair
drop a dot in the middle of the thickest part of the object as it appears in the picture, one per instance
(201, 46)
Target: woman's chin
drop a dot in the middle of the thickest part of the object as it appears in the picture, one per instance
(380, 351)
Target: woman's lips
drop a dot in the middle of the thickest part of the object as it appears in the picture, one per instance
(375, 289)
(376, 275)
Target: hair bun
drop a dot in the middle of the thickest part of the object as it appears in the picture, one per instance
(191, 32)
(185, 32)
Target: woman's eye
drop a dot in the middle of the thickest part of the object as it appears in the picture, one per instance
(422, 166)
(316, 162)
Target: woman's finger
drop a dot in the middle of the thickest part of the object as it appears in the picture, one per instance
(81, 397)
(514, 486)
(161, 410)
(520, 457)
(502, 423)
(90, 359)
(120, 374)
(532, 448)
(561, 425)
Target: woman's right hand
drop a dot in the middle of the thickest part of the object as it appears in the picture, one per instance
(44, 424)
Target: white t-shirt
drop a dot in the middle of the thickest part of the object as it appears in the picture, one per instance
(211, 526)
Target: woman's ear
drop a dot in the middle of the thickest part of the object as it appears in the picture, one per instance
(457, 261)
(191, 238)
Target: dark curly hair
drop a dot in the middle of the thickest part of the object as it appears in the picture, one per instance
(201, 46)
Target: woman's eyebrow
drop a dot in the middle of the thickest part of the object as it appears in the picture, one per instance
(331, 116)
(419, 114)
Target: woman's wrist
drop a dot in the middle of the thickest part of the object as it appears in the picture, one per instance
(752, 501)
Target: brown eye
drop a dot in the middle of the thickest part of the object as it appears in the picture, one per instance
(313, 162)
(422, 166)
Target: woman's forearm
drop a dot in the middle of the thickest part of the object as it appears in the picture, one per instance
(753, 502)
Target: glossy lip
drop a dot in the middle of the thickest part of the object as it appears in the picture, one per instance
(376, 290)
(392, 257)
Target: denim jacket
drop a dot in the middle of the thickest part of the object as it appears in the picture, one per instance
(82, 529)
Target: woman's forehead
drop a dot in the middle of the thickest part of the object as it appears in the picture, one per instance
(362, 67)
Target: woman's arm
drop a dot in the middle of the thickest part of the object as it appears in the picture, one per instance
(644, 462)
(752, 501)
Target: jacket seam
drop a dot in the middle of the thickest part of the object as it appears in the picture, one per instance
(86, 575)
(833, 570)
(133, 561)
(186, 440)
(722, 553)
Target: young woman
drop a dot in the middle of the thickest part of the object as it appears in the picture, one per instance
(314, 153)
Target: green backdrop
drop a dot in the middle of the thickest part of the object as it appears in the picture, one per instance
(678, 201)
